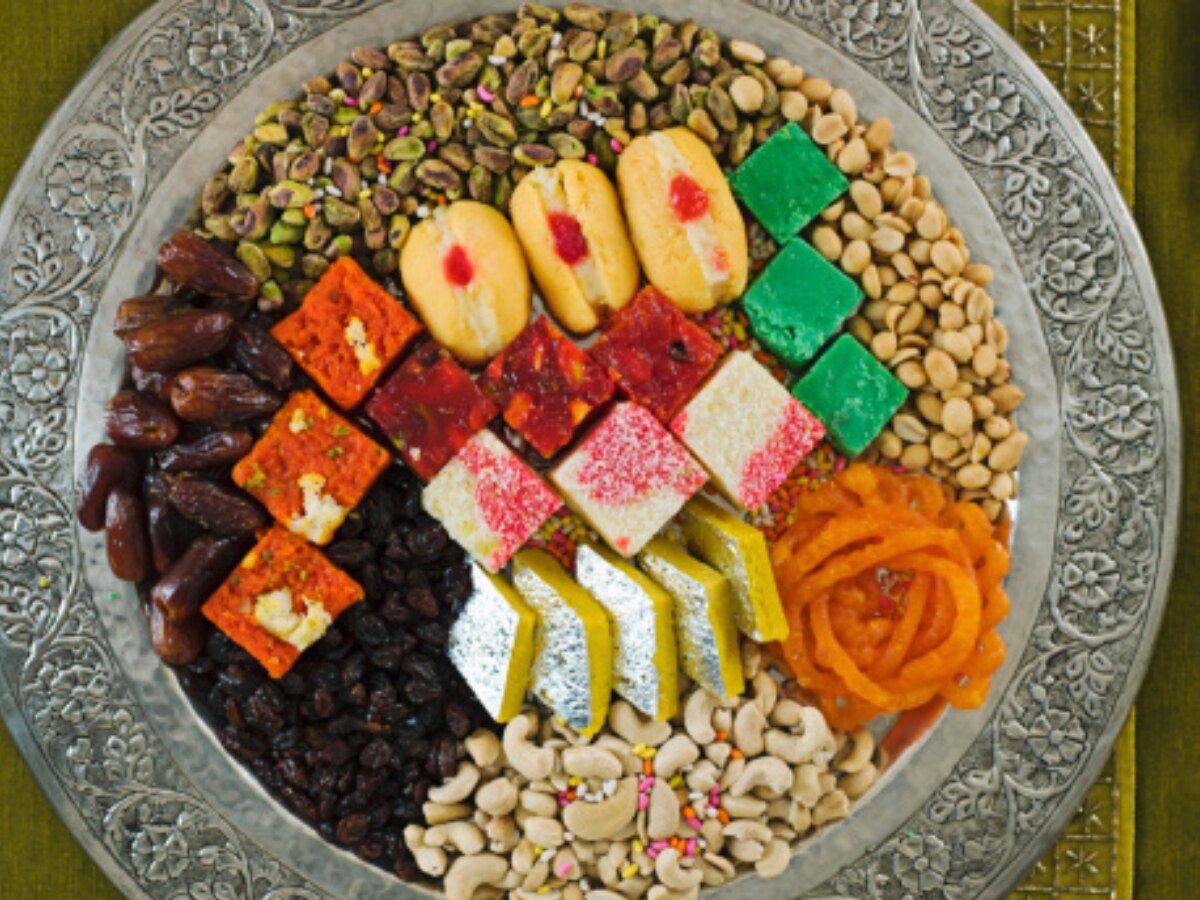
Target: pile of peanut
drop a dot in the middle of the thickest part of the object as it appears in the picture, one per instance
(928, 316)
(644, 808)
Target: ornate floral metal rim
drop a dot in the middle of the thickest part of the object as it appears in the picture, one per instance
(71, 699)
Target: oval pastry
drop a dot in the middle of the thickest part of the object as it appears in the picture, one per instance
(466, 277)
(685, 224)
(569, 221)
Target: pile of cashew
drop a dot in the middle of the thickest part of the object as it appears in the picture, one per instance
(545, 814)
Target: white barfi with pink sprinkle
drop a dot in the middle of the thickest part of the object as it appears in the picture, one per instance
(628, 477)
(488, 500)
(747, 430)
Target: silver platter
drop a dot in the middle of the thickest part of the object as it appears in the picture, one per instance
(143, 784)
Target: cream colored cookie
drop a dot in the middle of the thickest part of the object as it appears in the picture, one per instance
(466, 277)
(685, 224)
(569, 221)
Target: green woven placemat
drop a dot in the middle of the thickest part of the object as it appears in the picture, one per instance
(1087, 48)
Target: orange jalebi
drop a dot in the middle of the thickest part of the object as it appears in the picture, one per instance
(861, 651)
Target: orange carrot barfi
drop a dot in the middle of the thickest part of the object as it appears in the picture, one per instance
(281, 600)
(310, 468)
(347, 332)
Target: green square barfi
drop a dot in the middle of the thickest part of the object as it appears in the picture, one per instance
(787, 182)
(852, 394)
(799, 303)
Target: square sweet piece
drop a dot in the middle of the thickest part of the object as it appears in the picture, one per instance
(851, 393)
(628, 477)
(491, 644)
(489, 500)
(747, 431)
(657, 354)
(281, 600)
(546, 386)
(429, 408)
(347, 332)
(799, 303)
(310, 467)
(787, 182)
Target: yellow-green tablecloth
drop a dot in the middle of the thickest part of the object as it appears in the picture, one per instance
(1085, 45)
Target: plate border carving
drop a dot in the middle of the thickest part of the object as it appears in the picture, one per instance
(95, 749)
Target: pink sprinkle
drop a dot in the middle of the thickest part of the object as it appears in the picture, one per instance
(898, 470)
(714, 792)
(484, 94)
(402, 131)
(691, 847)
(652, 853)
(350, 101)
(839, 464)
(695, 823)
(616, 145)
(564, 868)
(593, 159)
(431, 146)
(659, 846)
(643, 801)
(563, 801)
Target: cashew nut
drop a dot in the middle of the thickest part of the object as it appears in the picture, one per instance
(609, 874)
(748, 830)
(536, 876)
(723, 715)
(534, 762)
(484, 748)
(430, 860)
(743, 807)
(660, 892)
(591, 762)
(702, 777)
(778, 809)
(632, 888)
(806, 785)
(698, 716)
(800, 817)
(773, 775)
(663, 819)
(748, 729)
(766, 692)
(636, 728)
(786, 713)
(497, 798)
(464, 837)
(833, 806)
(858, 783)
(732, 773)
(598, 894)
(746, 851)
(524, 857)
(751, 659)
(783, 832)
(541, 804)
(458, 788)
(775, 860)
(672, 875)
(795, 749)
(544, 832)
(414, 837)
(572, 892)
(630, 764)
(468, 874)
(676, 753)
(439, 813)
(565, 860)
(713, 833)
(859, 756)
(718, 753)
(502, 832)
(604, 820)
(720, 864)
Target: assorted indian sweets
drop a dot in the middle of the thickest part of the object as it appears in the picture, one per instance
(310, 465)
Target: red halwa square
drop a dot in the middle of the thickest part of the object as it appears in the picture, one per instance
(347, 332)
(429, 408)
(658, 356)
(281, 569)
(310, 467)
(546, 386)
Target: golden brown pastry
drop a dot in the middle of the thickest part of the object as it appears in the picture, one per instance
(685, 224)
(467, 279)
(569, 221)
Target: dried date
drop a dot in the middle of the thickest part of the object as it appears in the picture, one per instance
(196, 574)
(125, 528)
(135, 312)
(190, 261)
(216, 397)
(137, 420)
(256, 353)
(215, 508)
(108, 467)
(156, 384)
(179, 340)
(163, 525)
(214, 450)
(178, 642)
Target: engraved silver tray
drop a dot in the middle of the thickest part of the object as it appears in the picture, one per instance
(141, 781)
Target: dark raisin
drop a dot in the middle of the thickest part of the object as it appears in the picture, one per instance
(371, 630)
(422, 601)
(376, 755)
(426, 543)
(349, 554)
(352, 828)
(458, 719)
